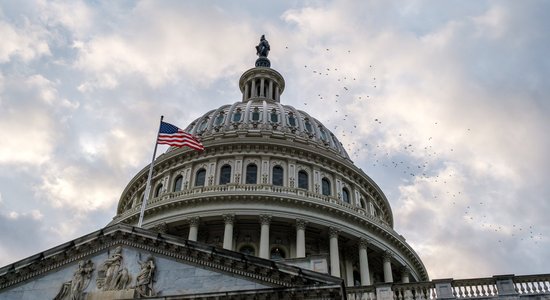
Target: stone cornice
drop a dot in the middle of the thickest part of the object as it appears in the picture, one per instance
(261, 270)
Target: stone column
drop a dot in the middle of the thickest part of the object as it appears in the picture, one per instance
(264, 237)
(300, 238)
(270, 90)
(262, 87)
(245, 93)
(277, 94)
(405, 274)
(193, 228)
(253, 92)
(388, 277)
(364, 262)
(334, 256)
(228, 232)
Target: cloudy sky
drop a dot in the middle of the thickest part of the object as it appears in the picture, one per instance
(445, 104)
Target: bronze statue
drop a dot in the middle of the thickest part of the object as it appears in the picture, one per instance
(262, 50)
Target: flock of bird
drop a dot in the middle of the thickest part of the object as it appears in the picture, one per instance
(423, 161)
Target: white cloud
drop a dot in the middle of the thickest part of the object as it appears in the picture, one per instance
(163, 46)
(72, 188)
(25, 43)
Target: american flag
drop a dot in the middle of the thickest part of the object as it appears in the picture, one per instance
(173, 136)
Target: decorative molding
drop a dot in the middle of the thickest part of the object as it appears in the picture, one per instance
(301, 224)
(194, 221)
(229, 218)
(333, 232)
(181, 250)
(265, 219)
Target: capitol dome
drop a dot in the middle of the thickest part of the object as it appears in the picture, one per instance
(274, 182)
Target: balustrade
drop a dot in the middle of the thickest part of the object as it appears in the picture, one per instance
(536, 286)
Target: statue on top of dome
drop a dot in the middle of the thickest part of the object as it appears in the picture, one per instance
(262, 50)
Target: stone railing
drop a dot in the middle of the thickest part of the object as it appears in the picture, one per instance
(267, 189)
(497, 287)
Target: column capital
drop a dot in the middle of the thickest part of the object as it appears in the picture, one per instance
(333, 232)
(194, 221)
(387, 256)
(229, 218)
(265, 219)
(301, 224)
(363, 243)
(405, 271)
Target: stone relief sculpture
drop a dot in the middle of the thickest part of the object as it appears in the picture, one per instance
(144, 280)
(73, 290)
(111, 274)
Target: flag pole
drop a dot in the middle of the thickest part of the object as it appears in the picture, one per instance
(148, 186)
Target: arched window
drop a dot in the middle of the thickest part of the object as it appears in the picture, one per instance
(237, 115)
(323, 134)
(303, 181)
(158, 190)
(363, 204)
(345, 195)
(220, 118)
(256, 114)
(325, 187)
(251, 174)
(247, 249)
(278, 175)
(274, 117)
(277, 253)
(309, 128)
(225, 174)
(291, 120)
(200, 177)
(178, 183)
(202, 126)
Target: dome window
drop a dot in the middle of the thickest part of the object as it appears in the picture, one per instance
(274, 117)
(200, 177)
(309, 128)
(203, 125)
(237, 115)
(362, 202)
(277, 176)
(303, 180)
(225, 174)
(291, 120)
(178, 183)
(158, 190)
(251, 174)
(256, 114)
(323, 134)
(220, 118)
(325, 186)
(345, 195)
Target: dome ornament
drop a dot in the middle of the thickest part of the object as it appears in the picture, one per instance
(262, 50)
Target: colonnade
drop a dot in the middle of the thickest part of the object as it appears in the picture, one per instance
(264, 248)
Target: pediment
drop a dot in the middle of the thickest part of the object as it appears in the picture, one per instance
(121, 261)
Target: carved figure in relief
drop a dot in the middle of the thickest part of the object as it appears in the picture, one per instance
(72, 290)
(111, 275)
(144, 280)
